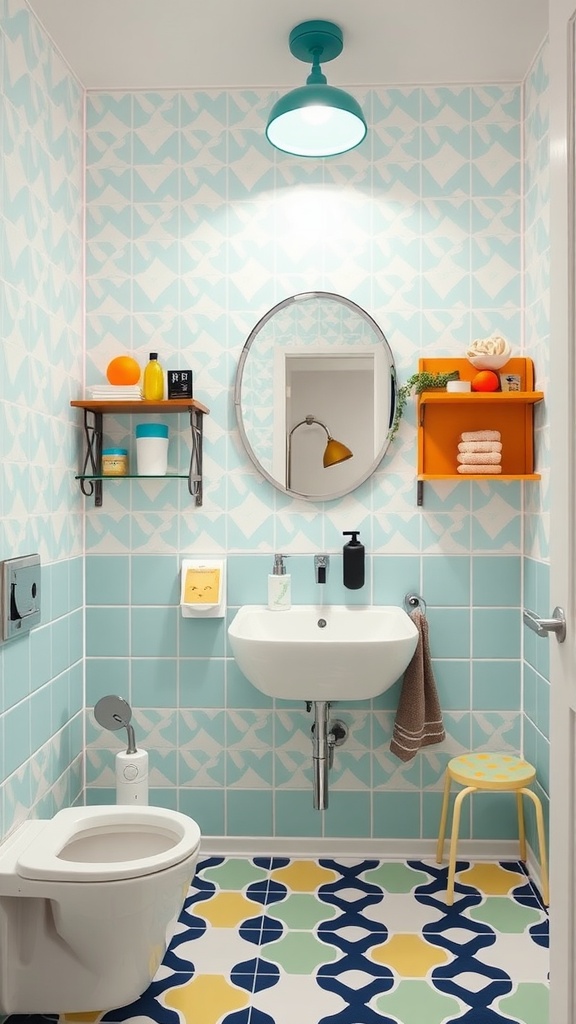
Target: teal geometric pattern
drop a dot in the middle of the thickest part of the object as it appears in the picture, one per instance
(194, 229)
(41, 368)
(347, 941)
(188, 209)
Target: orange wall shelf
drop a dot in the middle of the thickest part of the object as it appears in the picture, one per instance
(443, 416)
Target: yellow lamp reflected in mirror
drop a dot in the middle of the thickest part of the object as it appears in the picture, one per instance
(334, 453)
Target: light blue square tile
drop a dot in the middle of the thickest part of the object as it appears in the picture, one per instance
(453, 684)
(449, 632)
(201, 638)
(60, 645)
(107, 579)
(394, 576)
(543, 706)
(496, 633)
(155, 579)
(201, 682)
(154, 682)
(446, 580)
(494, 816)
(59, 583)
(16, 736)
(496, 580)
(107, 632)
(16, 670)
(431, 811)
(294, 814)
(40, 717)
(153, 632)
(496, 685)
(396, 815)
(239, 691)
(348, 814)
(107, 675)
(162, 797)
(249, 813)
(206, 807)
(248, 578)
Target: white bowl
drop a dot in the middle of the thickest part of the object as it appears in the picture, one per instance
(485, 361)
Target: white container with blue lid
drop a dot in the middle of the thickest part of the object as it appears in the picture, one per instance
(152, 449)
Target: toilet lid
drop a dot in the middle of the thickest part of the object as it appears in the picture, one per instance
(97, 844)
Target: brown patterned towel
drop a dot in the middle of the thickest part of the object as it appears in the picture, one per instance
(418, 718)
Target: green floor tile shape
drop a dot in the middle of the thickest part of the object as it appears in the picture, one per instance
(528, 1004)
(393, 877)
(301, 910)
(300, 953)
(322, 940)
(417, 1002)
(505, 915)
(235, 874)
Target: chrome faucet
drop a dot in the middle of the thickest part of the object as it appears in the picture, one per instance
(321, 567)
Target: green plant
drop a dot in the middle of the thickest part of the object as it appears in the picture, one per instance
(416, 383)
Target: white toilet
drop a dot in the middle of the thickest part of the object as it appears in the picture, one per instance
(88, 904)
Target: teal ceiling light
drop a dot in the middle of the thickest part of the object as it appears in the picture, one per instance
(316, 119)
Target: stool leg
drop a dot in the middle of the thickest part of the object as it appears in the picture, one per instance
(454, 842)
(443, 818)
(542, 844)
(521, 829)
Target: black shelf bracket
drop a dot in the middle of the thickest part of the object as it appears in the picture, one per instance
(420, 492)
(195, 471)
(93, 458)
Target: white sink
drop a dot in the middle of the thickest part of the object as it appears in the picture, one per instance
(331, 652)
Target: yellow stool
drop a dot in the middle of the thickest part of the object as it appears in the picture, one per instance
(496, 772)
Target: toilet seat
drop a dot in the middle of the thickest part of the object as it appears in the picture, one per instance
(93, 844)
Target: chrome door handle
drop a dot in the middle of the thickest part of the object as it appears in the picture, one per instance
(557, 624)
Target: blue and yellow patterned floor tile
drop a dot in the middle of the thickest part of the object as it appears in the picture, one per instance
(272, 940)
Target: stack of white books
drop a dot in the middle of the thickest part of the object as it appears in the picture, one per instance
(115, 392)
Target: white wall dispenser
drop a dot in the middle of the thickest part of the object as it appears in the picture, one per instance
(131, 764)
(203, 588)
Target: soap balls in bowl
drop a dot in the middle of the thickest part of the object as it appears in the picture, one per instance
(489, 353)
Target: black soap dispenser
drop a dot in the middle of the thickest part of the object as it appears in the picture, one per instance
(353, 561)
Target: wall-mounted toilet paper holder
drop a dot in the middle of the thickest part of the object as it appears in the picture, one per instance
(114, 713)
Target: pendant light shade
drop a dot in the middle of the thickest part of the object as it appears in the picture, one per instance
(316, 119)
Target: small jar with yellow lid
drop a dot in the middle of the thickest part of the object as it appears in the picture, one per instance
(114, 462)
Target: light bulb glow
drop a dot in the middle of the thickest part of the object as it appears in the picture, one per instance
(316, 114)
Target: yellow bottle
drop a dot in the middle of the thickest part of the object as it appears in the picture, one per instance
(153, 382)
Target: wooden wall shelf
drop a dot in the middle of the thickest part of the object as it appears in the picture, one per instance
(91, 476)
(443, 416)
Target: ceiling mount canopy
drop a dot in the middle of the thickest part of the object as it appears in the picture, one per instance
(316, 119)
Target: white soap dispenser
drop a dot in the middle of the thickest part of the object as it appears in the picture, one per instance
(279, 582)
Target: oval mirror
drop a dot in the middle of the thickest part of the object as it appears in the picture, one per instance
(314, 395)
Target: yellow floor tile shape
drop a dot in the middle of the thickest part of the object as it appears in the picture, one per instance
(206, 999)
(304, 876)
(491, 879)
(409, 955)
(227, 909)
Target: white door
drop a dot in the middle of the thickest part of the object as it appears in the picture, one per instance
(561, 404)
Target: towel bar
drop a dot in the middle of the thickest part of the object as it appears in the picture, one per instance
(413, 601)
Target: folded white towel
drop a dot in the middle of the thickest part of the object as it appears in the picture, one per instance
(479, 458)
(480, 469)
(480, 446)
(481, 435)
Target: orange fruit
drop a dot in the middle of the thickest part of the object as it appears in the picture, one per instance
(486, 380)
(123, 370)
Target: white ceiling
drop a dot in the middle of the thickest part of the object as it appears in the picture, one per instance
(129, 44)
